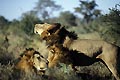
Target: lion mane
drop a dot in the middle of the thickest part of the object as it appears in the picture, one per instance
(24, 63)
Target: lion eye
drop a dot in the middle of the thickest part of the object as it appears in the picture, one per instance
(36, 32)
(38, 58)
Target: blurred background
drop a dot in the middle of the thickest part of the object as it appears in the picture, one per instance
(90, 19)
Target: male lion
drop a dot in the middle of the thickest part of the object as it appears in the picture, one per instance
(32, 61)
(94, 50)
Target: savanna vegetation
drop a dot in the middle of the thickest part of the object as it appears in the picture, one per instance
(16, 35)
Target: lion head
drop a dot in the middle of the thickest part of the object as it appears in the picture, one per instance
(39, 62)
(32, 61)
(54, 33)
(46, 28)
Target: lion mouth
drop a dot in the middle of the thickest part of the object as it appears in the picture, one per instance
(41, 72)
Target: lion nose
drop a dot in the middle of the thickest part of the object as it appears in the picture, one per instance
(36, 32)
(41, 68)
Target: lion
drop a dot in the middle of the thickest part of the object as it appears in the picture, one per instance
(32, 61)
(92, 50)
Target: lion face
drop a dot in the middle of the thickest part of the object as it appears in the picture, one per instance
(40, 28)
(40, 63)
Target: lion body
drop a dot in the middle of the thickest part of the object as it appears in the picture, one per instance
(99, 49)
(93, 48)
(88, 51)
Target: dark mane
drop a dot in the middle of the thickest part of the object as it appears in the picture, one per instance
(58, 36)
(64, 32)
(55, 26)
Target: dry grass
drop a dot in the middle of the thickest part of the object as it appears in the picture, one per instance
(17, 44)
(7, 72)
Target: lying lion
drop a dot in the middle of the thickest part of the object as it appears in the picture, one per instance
(32, 61)
(90, 50)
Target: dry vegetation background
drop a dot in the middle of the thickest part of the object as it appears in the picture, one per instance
(17, 35)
